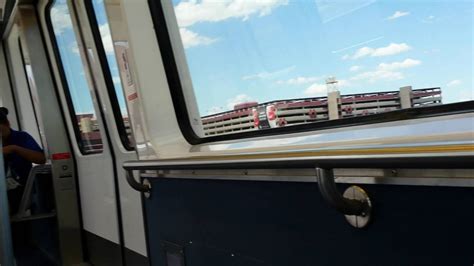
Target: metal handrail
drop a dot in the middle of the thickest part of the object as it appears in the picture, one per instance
(355, 203)
(136, 185)
(331, 194)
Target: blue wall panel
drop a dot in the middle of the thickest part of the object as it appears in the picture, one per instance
(221, 223)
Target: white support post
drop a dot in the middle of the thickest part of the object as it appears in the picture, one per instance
(405, 97)
(333, 104)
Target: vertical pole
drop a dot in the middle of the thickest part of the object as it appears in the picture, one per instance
(6, 247)
(405, 97)
(333, 104)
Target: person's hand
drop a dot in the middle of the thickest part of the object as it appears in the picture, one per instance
(9, 149)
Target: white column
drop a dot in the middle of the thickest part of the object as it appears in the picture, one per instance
(405, 97)
(333, 104)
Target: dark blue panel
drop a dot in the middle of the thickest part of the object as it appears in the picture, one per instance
(221, 223)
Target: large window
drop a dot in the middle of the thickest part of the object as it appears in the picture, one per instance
(101, 22)
(257, 65)
(77, 87)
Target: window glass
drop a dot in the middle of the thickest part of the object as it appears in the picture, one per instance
(264, 64)
(85, 118)
(108, 45)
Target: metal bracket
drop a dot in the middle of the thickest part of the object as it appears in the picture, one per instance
(145, 188)
(147, 183)
(354, 204)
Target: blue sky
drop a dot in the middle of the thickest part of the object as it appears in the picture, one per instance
(286, 49)
(72, 64)
(242, 50)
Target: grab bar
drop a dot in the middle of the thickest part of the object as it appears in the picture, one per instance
(136, 185)
(331, 194)
(354, 204)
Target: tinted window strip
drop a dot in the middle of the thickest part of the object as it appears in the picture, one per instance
(107, 76)
(62, 74)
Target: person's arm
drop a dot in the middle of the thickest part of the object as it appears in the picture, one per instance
(30, 155)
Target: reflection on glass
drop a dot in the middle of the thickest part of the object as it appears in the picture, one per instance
(108, 44)
(80, 93)
(266, 64)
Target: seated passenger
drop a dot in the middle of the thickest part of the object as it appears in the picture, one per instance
(20, 151)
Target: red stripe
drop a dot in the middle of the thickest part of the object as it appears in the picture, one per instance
(132, 96)
(61, 156)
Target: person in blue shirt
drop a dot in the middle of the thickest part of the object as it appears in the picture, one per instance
(20, 151)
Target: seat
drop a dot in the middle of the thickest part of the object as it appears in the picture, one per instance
(24, 213)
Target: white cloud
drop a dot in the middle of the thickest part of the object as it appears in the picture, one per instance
(74, 48)
(398, 14)
(241, 98)
(465, 96)
(316, 89)
(190, 12)
(363, 52)
(387, 71)
(355, 68)
(106, 39)
(194, 11)
(191, 39)
(116, 80)
(299, 80)
(343, 83)
(269, 75)
(60, 18)
(391, 49)
(215, 110)
(357, 45)
(454, 83)
(407, 63)
(429, 19)
(376, 75)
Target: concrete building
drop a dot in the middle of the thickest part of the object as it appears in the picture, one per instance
(308, 110)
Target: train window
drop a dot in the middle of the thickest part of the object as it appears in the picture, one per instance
(101, 23)
(258, 65)
(77, 88)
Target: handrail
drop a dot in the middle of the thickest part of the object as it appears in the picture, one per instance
(333, 197)
(355, 204)
(358, 207)
(264, 162)
(136, 185)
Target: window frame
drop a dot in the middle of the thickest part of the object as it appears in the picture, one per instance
(12, 88)
(169, 61)
(30, 93)
(65, 85)
(109, 84)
